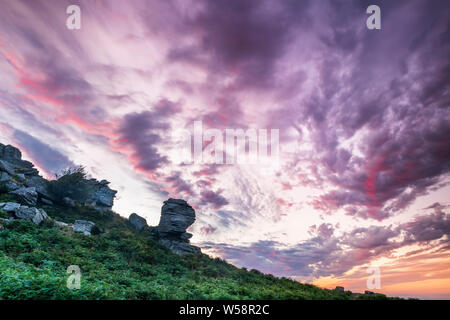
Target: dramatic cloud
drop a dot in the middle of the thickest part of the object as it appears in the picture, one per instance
(363, 119)
(141, 133)
(326, 254)
(42, 155)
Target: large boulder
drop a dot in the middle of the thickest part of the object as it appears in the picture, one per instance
(28, 195)
(31, 214)
(176, 216)
(137, 221)
(10, 206)
(83, 226)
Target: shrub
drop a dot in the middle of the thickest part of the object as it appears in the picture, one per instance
(3, 187)
(70, 183)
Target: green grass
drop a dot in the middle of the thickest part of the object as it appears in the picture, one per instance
(123, 264)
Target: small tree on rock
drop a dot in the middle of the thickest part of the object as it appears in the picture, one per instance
(70, 183)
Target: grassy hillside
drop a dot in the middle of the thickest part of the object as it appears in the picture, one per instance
(120, 263)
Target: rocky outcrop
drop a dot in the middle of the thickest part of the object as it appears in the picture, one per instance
(31, 214)
(15, 210)
(7, 167)
(176, 216)
(102, 197)
(28, 195)
(40, 184)
(180, 247)
(83, 226)
(8, 182)
(4, 177)
(18, 176)
(137, 221)
(11, 162)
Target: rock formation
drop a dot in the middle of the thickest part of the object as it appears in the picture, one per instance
(102, 197)
(83, 226)
(32, 214)
(176, 216)
(137, 221)
(17, 211)
(21, 179)
(28, 195)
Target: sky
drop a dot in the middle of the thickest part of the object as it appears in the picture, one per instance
(361, 176)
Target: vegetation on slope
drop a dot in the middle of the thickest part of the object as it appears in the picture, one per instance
(120, 263)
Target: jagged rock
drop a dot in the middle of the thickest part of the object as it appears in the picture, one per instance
(30, 172)
(176, 216)
(21, 177)
(102, 197)
(8, 182)
(10, 153)
(31, 214)
(25, 213)
(83, 226)
(180, 247)
(7, 167)
(40, 184)
(39, 218)
(2, 204)
(69, 202)
(13, 156)
(186, 236)
(61, 224)
(11, 186)
(10, 206)
(27, 195)
(105, 197)
(137, 221)
(4, 177)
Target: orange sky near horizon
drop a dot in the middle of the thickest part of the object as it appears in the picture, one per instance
(424, 276)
